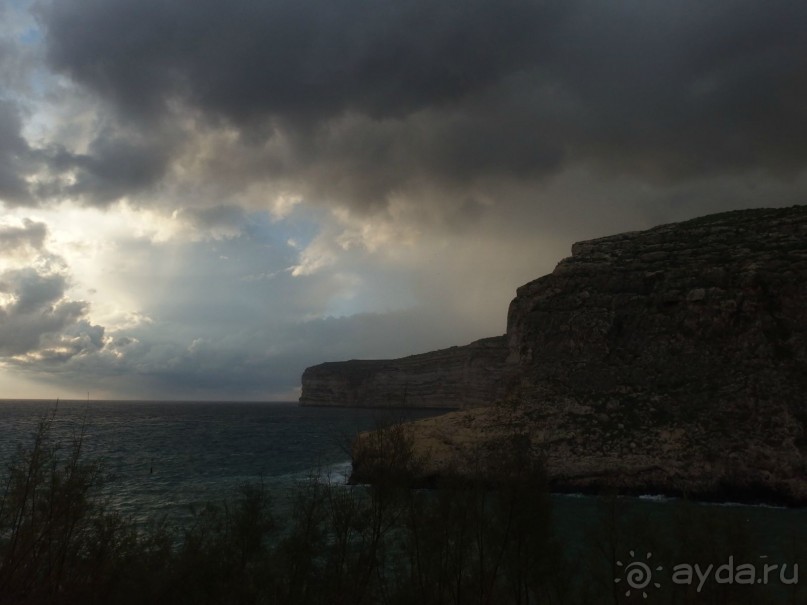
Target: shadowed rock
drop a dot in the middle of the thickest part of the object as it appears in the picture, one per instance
(669, 360)
(456, 377)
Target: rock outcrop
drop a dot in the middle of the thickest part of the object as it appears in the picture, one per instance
(457, 377)
(671, 360)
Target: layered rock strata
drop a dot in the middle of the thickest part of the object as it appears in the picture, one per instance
(457, 377)
(671, 360)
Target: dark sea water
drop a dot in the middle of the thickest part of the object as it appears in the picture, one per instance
(165, 458)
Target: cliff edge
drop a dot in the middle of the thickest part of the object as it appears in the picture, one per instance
(671, 360)
(457, 377)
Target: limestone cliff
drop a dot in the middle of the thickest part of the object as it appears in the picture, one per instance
(457, 377)
(669, 360)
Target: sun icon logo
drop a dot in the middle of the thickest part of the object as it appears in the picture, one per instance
(638, 574)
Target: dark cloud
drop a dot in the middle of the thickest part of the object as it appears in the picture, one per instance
(293, 59)
(117, 166)
(370, 100)
(37, 316)
(33, 292)
(24, 240)
(39, 322)
(14, 156)
(672, 89)
(117, 163)
(80, 338)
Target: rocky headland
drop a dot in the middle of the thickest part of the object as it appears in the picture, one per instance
(457, 377)
(672, 360)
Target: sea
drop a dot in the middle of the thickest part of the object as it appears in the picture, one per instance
(165, 459)
(168, 459)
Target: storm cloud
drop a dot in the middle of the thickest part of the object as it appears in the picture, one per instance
(307, 60)
(354, 103)
(37, 321)
(204, 197)
(15, 158)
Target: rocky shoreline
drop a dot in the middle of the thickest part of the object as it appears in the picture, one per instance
(672, 360)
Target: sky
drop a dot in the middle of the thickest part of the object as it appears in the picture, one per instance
(199, 199)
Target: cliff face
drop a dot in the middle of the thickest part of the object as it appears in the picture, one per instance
(672, 360)
(457, 377)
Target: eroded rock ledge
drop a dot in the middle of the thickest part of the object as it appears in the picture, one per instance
(671, 360)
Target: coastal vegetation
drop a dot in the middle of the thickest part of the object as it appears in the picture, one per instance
(490, 539)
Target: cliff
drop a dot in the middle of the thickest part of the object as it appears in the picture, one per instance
(671, 360)
(457, 377)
